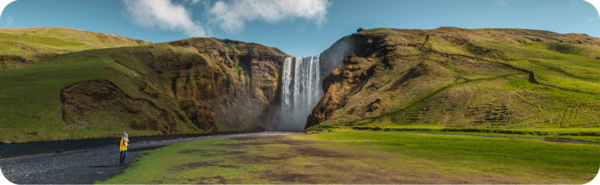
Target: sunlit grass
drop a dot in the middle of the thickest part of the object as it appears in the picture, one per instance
(371, 157)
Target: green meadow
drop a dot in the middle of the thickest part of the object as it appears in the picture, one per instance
(25, 46)
(365, 157)
(464, 109)
(32, 110)
(574, 134)
(474, 79)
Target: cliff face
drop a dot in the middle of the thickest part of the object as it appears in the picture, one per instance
(454, 77)
(446, 77)
(201, 84)
(188, 86)
(86, 102)
(214, 85)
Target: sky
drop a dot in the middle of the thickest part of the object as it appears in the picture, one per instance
(297, 27)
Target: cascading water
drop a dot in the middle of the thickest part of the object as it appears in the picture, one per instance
(301, 88)
(300, 92)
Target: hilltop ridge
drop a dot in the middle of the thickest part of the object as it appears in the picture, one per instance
(463, 78)
(195, 85)
(445, 78)
(24, 46)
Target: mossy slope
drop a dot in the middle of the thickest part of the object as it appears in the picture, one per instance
(464, 78)
(187, 86)
(24, 46)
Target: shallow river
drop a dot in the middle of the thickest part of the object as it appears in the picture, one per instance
(12, 150)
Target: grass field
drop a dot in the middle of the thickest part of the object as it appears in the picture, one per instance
(463, 79)
(31, 108)
(576, 134)
(24, 46)
(498, 79)
(365, 157)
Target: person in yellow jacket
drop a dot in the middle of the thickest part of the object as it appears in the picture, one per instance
(123, 147)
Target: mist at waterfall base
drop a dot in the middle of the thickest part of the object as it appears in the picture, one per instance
(302, 82)
(300, 91)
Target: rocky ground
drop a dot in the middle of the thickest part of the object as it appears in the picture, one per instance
(88, 165)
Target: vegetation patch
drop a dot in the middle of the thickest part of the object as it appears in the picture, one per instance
(365, 157)
(486, 79)
(25, 46)
(97, 88)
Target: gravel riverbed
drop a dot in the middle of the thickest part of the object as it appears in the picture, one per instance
(87, 166)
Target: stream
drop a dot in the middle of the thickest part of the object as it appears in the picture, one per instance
(19, 149)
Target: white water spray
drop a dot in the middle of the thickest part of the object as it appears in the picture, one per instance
(302, 82)
(300, 92)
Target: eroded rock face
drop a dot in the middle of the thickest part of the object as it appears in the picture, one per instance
(236, 82)
(347, 76)
(457, 78)
(384, 69)
(85, 103)
(206, 83)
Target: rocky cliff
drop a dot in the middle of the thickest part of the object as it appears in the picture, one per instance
(469, 78)
(214, 85)
(188, 86)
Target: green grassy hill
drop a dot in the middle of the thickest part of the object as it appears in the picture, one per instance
(23, 46)
(187, 86)
(465, 79)
(459, 79)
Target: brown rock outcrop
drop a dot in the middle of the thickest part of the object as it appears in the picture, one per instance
(410, 76)
(85, 103)
(206, 83)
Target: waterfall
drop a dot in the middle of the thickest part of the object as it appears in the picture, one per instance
(302, 82)
(300, 92)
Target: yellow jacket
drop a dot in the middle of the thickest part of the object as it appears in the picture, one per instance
(123, 145)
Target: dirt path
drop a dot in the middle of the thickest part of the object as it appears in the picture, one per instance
(89, 165)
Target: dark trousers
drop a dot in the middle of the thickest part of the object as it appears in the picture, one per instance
(123, 155)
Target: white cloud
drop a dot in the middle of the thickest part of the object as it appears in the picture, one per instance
(165, 15)
(595, 3)
(590, 19)
(9, 21)
(231, 16)
(4, 3)
(192, 2)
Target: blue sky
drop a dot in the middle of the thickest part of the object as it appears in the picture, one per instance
(299, 28)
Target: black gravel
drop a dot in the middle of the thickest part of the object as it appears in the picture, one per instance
(87, 166)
